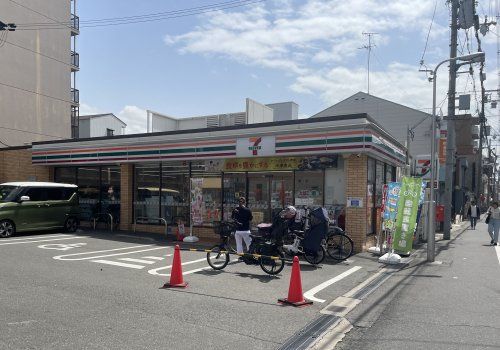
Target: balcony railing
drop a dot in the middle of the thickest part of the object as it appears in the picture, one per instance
(75, 59)
(75, 22)
(75, 96)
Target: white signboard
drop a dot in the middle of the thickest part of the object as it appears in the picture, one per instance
(256, 146)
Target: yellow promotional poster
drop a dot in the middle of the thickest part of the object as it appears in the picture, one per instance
(263, 164)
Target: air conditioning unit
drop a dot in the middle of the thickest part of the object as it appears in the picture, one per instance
(475, 132)
(475, 144)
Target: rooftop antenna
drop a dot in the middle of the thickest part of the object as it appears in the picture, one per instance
(369, 48)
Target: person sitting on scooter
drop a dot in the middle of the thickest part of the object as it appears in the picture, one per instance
(242, 216)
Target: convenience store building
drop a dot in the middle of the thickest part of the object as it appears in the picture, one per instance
(338, 162)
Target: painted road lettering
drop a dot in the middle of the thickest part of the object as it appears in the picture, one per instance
(60, 246)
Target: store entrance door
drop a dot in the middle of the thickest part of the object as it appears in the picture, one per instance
(269, 191)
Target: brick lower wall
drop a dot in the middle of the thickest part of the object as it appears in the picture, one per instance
(356, 178)
(15, 165)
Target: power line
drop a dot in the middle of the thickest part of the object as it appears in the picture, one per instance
(29, 132)
(428, 33)
(146, 18)
(36, 93)
(41, 14)
(36, 52)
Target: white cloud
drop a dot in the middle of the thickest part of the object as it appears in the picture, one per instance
(324, 31)
(135, 118)
(86, 109)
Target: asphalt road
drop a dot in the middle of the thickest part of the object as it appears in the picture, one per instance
(96, 290)
(453, 305)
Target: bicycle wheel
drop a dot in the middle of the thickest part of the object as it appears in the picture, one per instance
(217, 258)
(231, 242)
(339, 247)
(272, 266)
(315, 259)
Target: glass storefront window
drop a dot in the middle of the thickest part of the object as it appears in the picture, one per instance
(211, 193)
(65, 175)
(379, 183)
(147, 191)
(110, 191)
(234, 188)
(89, 192)
(309, 188)
(259, 197)
(281, 190)
(370, 196)
(175, 192)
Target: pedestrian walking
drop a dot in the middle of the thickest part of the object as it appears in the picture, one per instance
(473, 214)
(494, 222)
(242, 216)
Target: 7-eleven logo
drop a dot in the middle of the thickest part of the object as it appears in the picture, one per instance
(255, 141)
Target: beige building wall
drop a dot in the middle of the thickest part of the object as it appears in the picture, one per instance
(35, 90)
(15, 165)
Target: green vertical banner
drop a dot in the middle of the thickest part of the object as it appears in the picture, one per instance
(406, 220)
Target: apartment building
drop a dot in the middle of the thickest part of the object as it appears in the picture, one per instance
(38, 96)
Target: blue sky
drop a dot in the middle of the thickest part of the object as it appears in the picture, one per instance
(306, 51)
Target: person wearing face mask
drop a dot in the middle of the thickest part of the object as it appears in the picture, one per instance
(494, 222)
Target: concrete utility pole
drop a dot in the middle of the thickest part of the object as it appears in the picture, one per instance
(450, 142)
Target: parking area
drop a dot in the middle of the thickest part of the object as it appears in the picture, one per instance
(101, 290)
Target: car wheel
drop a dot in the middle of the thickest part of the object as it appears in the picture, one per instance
(71, 224)
(7, 228)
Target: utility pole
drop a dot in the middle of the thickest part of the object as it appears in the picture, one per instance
(482, 119)
(369, 48)
(450, 142)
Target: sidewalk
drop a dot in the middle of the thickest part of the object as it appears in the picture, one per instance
(450, 304)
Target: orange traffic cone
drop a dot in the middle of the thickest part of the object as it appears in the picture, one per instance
(295, 296)
(176, 279)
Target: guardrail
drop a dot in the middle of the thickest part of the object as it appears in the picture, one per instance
(147, 219)
(96, 217)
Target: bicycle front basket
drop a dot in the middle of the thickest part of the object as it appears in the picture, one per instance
(222, 228)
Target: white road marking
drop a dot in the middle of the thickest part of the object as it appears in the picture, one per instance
(43, 240)
(196, 270)
(140, 261)
(60, 246)
(159, 258)
(310, 293)
(117, 263)
(497, 249)
(68, 257)
(155, 271)
(38, 237)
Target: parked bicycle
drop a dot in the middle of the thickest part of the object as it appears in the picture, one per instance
(303, 235)
(338, 245)
(263, 251)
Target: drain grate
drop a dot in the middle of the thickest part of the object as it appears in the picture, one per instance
(310, 333)
(370, 287)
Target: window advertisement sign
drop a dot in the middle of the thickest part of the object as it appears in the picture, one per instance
(197, 201)
(391, 204)
(406, 220)
(274, 163)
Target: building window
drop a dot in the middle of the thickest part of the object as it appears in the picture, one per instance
(110, 132)
(147, 191)
(370, 196)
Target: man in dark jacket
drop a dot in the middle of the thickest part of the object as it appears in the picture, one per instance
(242, 216)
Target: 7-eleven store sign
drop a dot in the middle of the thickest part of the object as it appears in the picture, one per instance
(423, 169)
(256, 146)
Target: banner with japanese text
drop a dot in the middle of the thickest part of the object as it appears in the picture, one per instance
(391, 204)
(406, 219)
